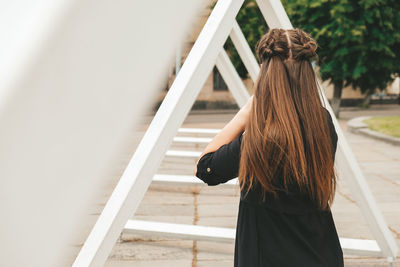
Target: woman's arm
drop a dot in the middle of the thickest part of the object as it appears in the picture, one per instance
(230, 131)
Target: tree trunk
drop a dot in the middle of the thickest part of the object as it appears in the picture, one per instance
(367, 100)
(337, 95)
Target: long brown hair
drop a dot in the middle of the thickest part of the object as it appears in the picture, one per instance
(287, 139)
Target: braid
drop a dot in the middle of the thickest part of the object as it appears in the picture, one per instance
(285, 44)
(272, 44)
(303, 46)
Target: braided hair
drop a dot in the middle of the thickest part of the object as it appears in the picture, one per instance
(286, 44)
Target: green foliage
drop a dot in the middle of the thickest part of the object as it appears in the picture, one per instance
(253, 27)
(359, 40)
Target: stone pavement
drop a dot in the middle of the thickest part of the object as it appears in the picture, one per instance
(218, 205)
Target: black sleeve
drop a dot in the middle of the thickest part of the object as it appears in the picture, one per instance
(333, 133)
(222, 165)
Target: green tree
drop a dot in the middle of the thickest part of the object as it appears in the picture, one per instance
(359, 40)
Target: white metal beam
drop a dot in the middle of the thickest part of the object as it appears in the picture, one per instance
(232, 78)
(184, 179)
(361, 247)
(199, 130)
(348, 167)
(182, 139)
(184, 231)
(176, 179)
(244, 51)
(274, 14)
(137, 177)
(220, 234)
(183, 153)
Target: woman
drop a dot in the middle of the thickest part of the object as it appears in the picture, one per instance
(281, 145)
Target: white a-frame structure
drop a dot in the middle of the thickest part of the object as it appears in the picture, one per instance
(207, 52)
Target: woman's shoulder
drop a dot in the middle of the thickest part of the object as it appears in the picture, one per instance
(329, 116)
(327, 113)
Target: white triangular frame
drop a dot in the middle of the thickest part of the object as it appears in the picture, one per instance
(207, 51)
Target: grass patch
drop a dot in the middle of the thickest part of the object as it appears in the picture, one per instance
(389, 125)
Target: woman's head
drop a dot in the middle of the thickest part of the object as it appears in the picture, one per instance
(293, 44)
(287, 140)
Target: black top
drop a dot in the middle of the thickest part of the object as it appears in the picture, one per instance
(288, 231)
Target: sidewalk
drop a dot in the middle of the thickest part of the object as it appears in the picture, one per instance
(218, 206)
